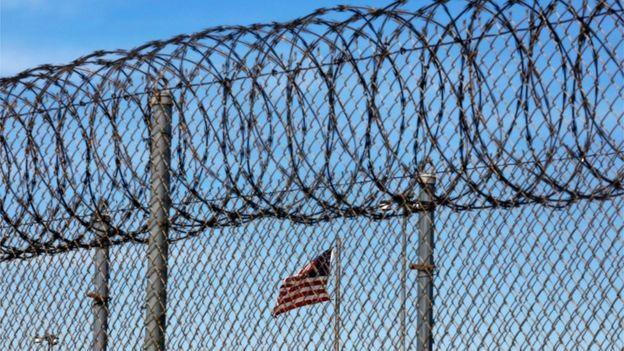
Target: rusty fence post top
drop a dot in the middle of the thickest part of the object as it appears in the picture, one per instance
(428, 178)
(161, 97)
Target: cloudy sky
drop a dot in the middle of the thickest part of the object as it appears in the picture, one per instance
(34, 32)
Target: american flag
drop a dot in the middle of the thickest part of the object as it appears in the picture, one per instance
(307, 287)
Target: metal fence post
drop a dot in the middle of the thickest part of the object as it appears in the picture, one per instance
(403, 312)
(100, 295)
(160, 160)
(425, 264)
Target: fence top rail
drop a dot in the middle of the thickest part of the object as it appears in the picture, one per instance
(339, 113)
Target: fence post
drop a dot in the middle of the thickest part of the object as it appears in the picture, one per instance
(157, 251)
(425, 264)
(402, 311)
(100, 295)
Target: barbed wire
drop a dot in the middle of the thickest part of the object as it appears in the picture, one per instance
(403, 50)
(322, 117)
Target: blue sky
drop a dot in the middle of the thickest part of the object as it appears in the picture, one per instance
(34, 32)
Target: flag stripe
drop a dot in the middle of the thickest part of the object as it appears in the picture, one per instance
(312, 291)
(298, 278)
(303, 282)
(303, 290)
(298, 288)
(303, 301)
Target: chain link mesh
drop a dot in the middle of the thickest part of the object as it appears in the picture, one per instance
(286, 136)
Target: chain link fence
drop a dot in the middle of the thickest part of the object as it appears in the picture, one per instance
(217, 164)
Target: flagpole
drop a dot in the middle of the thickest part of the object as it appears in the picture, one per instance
(337, 320)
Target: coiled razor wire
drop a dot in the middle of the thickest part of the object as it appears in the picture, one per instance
(326, 116)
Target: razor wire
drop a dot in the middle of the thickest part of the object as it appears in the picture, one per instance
(327, 116)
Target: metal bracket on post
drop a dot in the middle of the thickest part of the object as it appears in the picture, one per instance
(423, 267)
(161, 104)
(425, 264)
(48, 338)
(100, 295)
